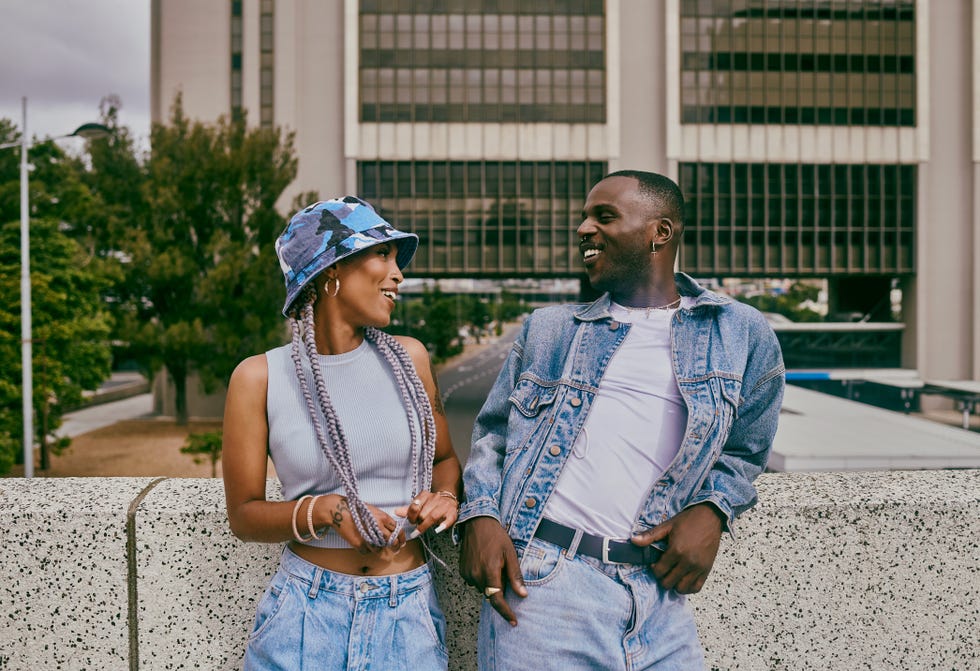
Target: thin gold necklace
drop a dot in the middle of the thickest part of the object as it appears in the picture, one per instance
(666, 306)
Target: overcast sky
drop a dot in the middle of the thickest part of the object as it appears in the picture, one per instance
(66, 55)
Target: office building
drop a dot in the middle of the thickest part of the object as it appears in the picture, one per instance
(813, 138)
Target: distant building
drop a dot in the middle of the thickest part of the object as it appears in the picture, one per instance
(813, 138)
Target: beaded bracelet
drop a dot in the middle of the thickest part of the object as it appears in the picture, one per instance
(309, 518)
(299, 502)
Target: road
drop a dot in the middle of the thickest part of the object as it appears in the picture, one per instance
(465, 386)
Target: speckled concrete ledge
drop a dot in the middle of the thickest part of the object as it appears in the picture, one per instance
(831, 571)
(198, 584)
(873, 570)
(64, 596)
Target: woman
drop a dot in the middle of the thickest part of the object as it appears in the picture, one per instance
(366, 466)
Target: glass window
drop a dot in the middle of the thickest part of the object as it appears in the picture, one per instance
(520, 209)
(840, 53)
(852, 199)
(489, 36)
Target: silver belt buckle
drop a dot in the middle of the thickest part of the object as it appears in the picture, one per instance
(605, 551)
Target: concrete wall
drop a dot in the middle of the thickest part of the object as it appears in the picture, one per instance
(874, 570)
(201, 405)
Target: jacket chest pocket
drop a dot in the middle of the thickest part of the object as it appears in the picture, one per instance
(713, 404)
(531, 405)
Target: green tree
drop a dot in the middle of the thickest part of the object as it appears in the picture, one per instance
(434, 319)
(442, 327)
(70, 327)
(203, 283)
(204, 446)
(70, 332)
(789, 303)
(478, 315)
(511, 307)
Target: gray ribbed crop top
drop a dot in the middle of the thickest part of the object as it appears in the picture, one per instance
(365, 396)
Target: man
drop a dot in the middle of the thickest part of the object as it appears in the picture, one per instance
(620, 439)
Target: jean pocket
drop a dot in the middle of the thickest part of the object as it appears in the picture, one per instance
(429, 615)
(540, 564)
(269, 606)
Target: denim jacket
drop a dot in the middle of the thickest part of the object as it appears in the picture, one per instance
(728, 367)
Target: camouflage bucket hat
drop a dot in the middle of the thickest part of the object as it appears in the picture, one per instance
(325, 232)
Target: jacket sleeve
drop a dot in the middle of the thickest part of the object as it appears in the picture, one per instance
(483, 474)
(745, 453)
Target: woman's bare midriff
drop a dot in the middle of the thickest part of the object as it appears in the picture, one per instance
(352, 562)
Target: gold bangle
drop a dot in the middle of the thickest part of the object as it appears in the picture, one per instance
(309, 518)
(448, 495)
(299, 502)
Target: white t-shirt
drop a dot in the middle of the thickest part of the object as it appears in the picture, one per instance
(633, 432)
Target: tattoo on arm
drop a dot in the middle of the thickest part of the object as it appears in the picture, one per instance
(437, 406)
(338, 514)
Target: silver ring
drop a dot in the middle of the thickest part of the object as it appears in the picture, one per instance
(490, 591)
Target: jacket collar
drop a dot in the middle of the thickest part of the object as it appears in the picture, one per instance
(686, 286)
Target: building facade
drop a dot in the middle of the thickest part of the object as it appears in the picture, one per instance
(834, 139)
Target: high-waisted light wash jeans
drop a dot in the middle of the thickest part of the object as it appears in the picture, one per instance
(312, 618)
(582, 615)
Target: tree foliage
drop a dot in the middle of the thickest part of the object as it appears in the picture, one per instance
(789, 304)
(70, 325)
(203, 282)
(438, 319)
(169, 253)
(70, 333)
(203, 446)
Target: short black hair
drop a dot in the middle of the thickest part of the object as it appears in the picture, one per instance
(661, 190)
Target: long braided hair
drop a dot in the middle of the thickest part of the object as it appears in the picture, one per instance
(336, 449)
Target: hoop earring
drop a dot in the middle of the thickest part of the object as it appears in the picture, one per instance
(326, 287)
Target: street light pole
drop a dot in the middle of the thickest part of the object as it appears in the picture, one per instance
(26, 356)
(88, 131)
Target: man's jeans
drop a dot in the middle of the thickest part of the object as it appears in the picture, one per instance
(583, 614)
(311, 618)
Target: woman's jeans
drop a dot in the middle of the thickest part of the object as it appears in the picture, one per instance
(581, 614)
(312, 618)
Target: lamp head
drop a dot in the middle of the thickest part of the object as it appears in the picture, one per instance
(91, 131)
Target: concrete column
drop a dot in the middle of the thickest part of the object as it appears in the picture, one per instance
(976, 188)
(310, 99)
(643, 87)
(944, 307)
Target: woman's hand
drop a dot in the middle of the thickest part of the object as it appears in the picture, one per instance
(333, 511)
(430, 509)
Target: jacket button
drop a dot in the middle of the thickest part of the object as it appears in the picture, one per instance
(576, 402)
(555, 450)
(613, 326)
(530, 502)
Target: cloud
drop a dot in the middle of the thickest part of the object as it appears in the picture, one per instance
(66, 55)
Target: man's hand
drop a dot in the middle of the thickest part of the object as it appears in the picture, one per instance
(693, 536)
(487, 559)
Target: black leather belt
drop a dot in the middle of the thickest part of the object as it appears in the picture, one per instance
(608, 550)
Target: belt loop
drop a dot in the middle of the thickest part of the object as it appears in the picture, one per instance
(315, 587)
(573, 546)
(393, 594)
